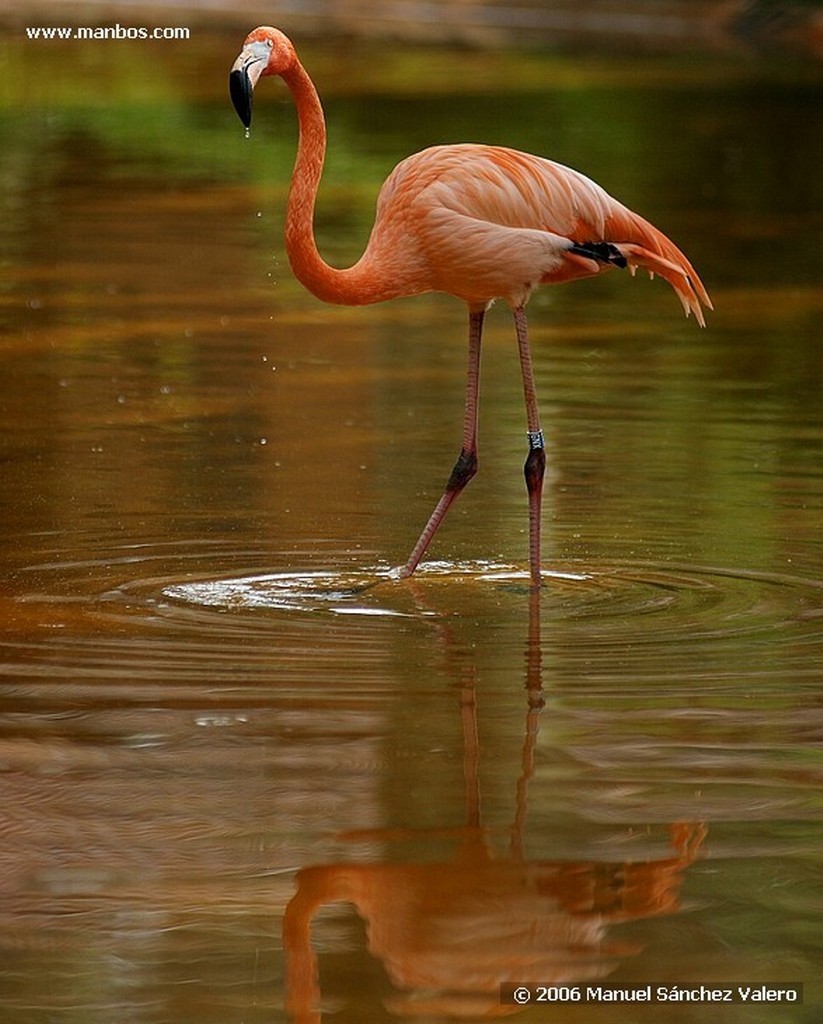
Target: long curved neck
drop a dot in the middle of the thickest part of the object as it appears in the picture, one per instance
(358, 284)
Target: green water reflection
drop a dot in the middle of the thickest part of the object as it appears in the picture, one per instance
(177, 409)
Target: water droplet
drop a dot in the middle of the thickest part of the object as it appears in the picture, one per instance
(247, 133)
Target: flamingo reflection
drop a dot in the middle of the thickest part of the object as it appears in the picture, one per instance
(450, 933)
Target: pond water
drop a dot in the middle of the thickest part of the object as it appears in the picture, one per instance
(217, 704)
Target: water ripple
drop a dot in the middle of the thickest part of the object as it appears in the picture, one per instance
(623, 619)
(654, 603)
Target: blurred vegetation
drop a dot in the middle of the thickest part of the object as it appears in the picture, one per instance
(607, 26)
(730, 144)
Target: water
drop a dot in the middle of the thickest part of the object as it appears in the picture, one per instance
(216, 701)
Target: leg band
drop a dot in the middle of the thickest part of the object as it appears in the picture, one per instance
(535, 439)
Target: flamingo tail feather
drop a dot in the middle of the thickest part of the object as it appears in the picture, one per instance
(677, 271)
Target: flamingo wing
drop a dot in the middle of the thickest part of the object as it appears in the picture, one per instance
(495, 222)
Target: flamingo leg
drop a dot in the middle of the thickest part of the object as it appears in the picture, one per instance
(466, 465)
(535, 466)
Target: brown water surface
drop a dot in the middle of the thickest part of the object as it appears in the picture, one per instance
(217, 703)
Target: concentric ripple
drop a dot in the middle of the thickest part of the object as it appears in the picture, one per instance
(646, 603)
(604, 609)
(364, 592)
(706, 601)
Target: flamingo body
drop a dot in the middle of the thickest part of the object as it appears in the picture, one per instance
(475, 221)
(485, 222)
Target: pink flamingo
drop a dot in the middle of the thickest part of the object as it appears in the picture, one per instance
(478, 222)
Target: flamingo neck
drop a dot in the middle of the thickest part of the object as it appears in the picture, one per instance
(356, 285)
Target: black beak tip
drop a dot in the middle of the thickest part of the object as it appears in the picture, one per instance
(241, 93)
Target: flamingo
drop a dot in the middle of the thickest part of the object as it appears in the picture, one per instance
(478, 222)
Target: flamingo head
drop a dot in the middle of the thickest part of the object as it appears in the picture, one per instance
(266, 51)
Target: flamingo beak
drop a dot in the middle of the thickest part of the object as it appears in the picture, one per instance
(243, 77)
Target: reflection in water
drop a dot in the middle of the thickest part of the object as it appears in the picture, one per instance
(450, 933)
